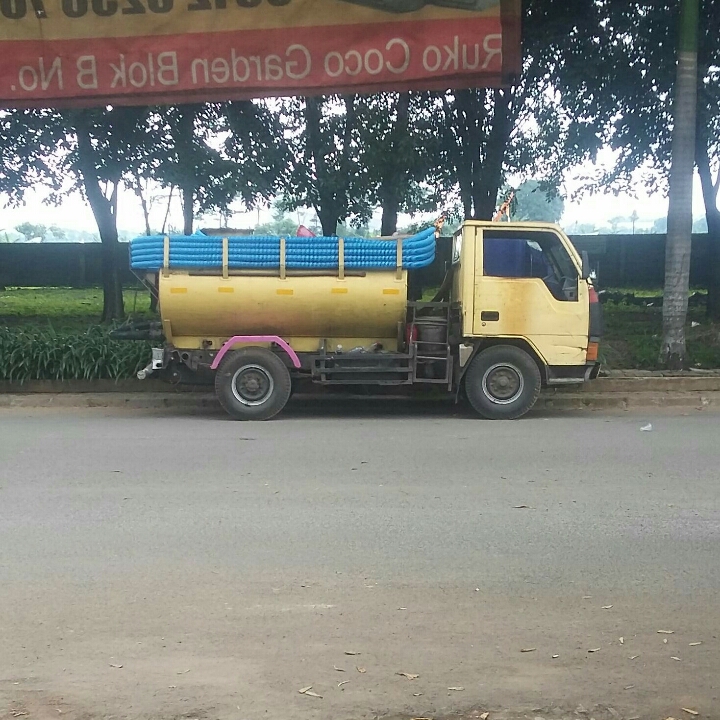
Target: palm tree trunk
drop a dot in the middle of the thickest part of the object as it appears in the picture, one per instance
(679, 232)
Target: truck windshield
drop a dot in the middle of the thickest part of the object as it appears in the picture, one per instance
(531, 254)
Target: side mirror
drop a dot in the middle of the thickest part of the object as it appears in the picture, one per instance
(586, 271)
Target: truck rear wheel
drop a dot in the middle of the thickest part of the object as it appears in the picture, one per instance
(252, 384)
(503, 382)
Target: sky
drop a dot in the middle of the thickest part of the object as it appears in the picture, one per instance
(75, 214)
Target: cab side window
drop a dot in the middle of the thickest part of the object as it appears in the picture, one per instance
(517, 254)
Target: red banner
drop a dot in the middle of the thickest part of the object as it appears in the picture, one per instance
(111, 51)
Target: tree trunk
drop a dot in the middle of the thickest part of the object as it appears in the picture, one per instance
(186, 129)
(143, 204)
(188, 202)
(390, 190)
(328, 221)
(105, 212)
(456, 129)
(713, 302)
(712, 214)
(325, 207)
(679, 233)
(489, 185)
(167, 209)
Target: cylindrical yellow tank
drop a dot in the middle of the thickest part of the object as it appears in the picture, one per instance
(303, 309)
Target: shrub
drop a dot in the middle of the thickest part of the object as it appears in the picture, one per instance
(47, 355)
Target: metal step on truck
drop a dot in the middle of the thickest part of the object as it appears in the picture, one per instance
(517, 312)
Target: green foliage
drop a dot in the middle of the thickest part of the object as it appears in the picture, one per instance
(46, 355)
(215, 153)
(399, 150)
(536, 202)
(31, 231)
(326, 172)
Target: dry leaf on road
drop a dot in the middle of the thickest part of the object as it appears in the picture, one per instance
(689, 711)
(666, 632)
(672, 657)
(622, 640)
(456, 689)
(522, 507)
(344, 682)
(335, 667)
(629, 687)
(485, 716)
(606, 607)
(350, 652)
(695, 644)
(115, 666)
(312, 694)
(594, 650)
(409, 676)
(528, 649)
(634, 657)
(555, 657)
(360, 669)
(302, 691)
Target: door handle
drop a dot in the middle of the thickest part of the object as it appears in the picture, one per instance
(489, 316)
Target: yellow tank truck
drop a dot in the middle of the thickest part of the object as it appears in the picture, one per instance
(517, 312)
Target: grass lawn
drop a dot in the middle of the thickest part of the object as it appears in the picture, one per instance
(63, 309)
(632, 331)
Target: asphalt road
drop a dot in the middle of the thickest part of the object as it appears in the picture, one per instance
(155, 565)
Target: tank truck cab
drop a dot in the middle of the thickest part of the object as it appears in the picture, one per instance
(529, 316)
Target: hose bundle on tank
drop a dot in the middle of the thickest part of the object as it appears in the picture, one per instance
(200, 251)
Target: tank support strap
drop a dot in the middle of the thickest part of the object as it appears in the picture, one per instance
(283, 254)
(225, 254)
(399, 259)
(341, 258)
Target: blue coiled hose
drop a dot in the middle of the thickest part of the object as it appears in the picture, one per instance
(302, 253)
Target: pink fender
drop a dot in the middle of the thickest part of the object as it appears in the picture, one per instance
(236, 339)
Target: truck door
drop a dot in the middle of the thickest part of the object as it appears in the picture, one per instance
(527, 285)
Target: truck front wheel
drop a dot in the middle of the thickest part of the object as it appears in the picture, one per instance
(252, 384)
(502, 382)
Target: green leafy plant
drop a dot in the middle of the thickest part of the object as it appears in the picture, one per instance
(47, 355)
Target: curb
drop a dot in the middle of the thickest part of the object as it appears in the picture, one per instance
(191, 401)
(602, 385)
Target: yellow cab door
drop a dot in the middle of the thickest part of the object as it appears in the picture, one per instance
(527, 285)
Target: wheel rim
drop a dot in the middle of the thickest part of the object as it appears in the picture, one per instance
(503, 384)
(252, 385)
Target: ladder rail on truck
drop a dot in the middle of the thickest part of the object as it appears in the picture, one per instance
(517, 312)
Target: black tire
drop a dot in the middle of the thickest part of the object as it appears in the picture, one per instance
(503, 382)
(252, 384)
